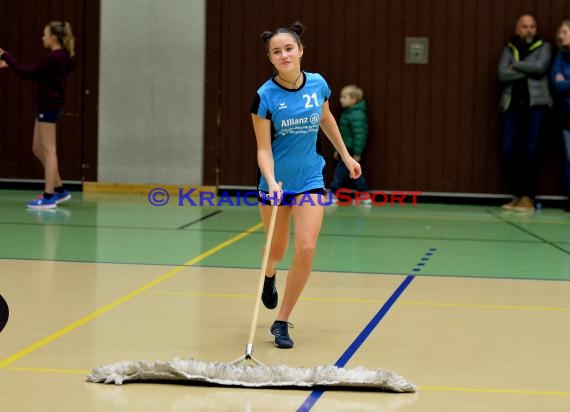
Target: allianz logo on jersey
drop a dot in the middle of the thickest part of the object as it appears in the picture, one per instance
(294, 121)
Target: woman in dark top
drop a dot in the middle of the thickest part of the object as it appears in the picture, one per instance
(560, 77)
(49, 74)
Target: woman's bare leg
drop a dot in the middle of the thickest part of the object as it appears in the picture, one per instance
(280, 240)
(47, 137)
(37, 144)
(308, 219)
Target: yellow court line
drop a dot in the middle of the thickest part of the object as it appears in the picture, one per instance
(142, 189)
(43, 342)
(350, 300)
(204, 295)
(489, 390)
(486, 306)
(242, 296)
(48, 370)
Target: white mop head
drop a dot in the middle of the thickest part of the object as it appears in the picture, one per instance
(250, 376)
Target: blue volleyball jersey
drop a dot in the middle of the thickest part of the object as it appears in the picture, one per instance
(295, 117)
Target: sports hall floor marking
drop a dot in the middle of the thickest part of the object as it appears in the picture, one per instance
(453, 218)
(448, 239)
(209, 215)
(93, 315)
(491, 390)
(48, 370)
(351, 300)
(355, 345)
(491, 219)
(528, 232)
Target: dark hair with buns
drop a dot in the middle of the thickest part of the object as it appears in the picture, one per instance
(296, 30)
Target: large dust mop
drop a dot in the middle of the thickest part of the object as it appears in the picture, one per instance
(247, 371)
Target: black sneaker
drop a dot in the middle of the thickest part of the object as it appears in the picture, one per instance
(280, 331)
(269, 296)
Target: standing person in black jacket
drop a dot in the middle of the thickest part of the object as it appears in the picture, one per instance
(523, 73)
(560, 78)
(50, 75)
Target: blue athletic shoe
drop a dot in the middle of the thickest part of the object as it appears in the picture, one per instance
(62, 197)
(42, 203)
(280, 332)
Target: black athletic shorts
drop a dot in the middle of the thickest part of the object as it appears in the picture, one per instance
(48, 116)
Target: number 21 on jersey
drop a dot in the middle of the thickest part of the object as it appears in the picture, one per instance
(308, 98)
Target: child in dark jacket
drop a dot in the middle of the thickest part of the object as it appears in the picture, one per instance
(353, 125)
(560, 78)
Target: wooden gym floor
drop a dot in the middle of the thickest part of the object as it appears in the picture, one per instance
(482, 324)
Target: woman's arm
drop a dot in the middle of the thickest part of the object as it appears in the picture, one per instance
(33, 72)
(262, 128)
(329, 126)
(562, 86)
(3, 64)
(557, 79)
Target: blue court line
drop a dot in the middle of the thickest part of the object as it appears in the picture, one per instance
(357, 343)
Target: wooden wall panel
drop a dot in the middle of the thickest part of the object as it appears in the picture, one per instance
(407, 18)
(212, 92)
(480, 148)
(89, 91)
(21, 27)
(433, 127)
(436, 111)
(423, 95)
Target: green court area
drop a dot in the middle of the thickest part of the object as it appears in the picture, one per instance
(473, 241)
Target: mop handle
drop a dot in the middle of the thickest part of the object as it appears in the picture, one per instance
(249, 347)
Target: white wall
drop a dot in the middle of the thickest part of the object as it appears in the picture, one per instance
(151, 90)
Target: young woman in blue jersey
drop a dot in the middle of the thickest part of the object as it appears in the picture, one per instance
(287, 112)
